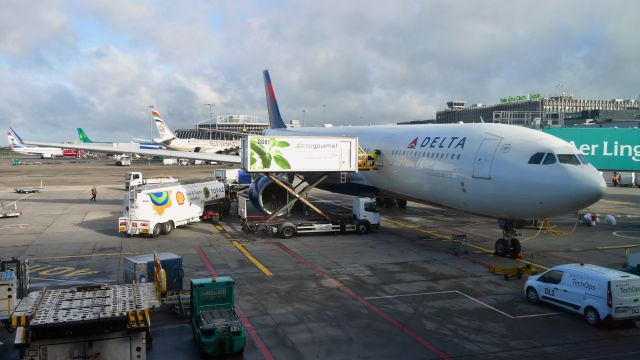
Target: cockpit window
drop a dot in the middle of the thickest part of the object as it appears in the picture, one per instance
(549, 159)
(583, 159)
(570, 159)
(536, 158)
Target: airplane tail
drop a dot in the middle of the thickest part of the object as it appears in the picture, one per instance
(83, 136)
(163, 129)
(15, 142)
(275, 119)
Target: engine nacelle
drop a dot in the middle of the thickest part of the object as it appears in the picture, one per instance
(268, 196)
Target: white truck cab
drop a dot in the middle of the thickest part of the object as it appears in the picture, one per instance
(366, 209)
(134, 178)
(596, 292)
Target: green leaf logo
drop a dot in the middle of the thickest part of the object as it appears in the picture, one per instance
(268, 155)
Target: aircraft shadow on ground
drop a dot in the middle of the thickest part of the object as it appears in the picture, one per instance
(105, 226)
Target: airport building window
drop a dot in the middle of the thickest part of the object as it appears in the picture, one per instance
(570, 159)
(549, 159)
(536, 158)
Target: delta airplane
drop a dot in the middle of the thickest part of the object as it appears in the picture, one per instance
(170, 141)
(16, 145)
(502, 171)
(143, 144)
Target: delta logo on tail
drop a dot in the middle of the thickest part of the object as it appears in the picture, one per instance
(413, 143)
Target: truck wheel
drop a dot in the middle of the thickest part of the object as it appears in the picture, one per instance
(362, 227)
(592, 316)
(287, 231)
(532, 295)
(167, 227)
(502, 247)
(156, 230)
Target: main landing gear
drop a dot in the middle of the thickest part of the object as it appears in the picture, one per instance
(508, 244)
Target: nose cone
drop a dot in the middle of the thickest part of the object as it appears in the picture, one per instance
(592, 189)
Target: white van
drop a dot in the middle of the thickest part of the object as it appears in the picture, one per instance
(596, 292)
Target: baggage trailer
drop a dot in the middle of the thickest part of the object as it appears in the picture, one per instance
(159, 208)
(216, 327)
(363, 218)
(85, 322)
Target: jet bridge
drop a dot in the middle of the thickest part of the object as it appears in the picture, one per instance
(280, 158)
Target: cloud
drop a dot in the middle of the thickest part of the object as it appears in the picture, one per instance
(100, 64)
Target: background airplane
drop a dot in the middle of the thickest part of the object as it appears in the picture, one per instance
(16, 145)
(143, 145)
(170, 141)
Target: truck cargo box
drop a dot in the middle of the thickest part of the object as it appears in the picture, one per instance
(299, 153)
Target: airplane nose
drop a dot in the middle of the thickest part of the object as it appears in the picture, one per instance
(594, 189)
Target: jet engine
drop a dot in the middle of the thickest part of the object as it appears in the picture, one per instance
(268, 196)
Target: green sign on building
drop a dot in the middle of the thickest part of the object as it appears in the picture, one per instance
(606, 148)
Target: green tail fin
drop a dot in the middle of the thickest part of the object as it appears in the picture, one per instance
(83, 136)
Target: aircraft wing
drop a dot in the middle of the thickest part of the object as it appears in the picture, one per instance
(119, 148)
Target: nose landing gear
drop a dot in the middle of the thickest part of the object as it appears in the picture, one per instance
(508, 244)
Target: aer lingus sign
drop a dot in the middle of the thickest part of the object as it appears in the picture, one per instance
(605, 148)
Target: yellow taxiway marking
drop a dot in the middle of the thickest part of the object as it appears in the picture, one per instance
(251, 258)
(219, 227)
(448, 238)
(78, 256)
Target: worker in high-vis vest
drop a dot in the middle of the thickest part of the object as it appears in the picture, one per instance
(373, 156)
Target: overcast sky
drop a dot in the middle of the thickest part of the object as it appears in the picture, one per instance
(100, 64)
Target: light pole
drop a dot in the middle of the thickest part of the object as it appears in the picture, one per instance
(211, 106)
(324, 113)
(304, 112)
(151, 107)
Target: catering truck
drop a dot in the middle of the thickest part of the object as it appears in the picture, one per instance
(159, 208)
(134, 178)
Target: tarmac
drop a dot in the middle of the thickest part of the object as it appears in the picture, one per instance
(404, 291)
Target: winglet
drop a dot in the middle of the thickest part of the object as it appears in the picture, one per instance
(275, 119)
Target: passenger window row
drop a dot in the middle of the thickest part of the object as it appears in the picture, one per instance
(428, 155)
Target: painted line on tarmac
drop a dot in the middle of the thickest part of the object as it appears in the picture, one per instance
(53, 270)
(465, 295)
(243, 317)
(447, 238)
(78, 256)
(435, 350)
(251, 258)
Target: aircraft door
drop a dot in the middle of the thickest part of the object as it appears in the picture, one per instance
(484, 158)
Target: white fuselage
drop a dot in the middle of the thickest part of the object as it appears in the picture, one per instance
(477, 168)
(196, 145)
(45, 152)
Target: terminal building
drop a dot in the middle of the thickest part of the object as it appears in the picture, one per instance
(535, 111)
(222, 127)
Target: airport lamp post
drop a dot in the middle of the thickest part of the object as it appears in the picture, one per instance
(324, 113)
(151, 107)
(304, 112)
(211, 106)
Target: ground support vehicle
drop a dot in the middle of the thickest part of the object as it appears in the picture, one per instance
(124, 160)
(159, 208)
(87, 322)
(513, 271)
(134, 178)
(216, 327)
(363, 218)
(596, 292)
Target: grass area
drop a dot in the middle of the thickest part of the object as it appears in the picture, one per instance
(5, 152)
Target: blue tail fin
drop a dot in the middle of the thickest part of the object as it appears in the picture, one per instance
(275, 120)
(17, 136)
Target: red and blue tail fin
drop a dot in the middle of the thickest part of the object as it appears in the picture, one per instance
(275, 119)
